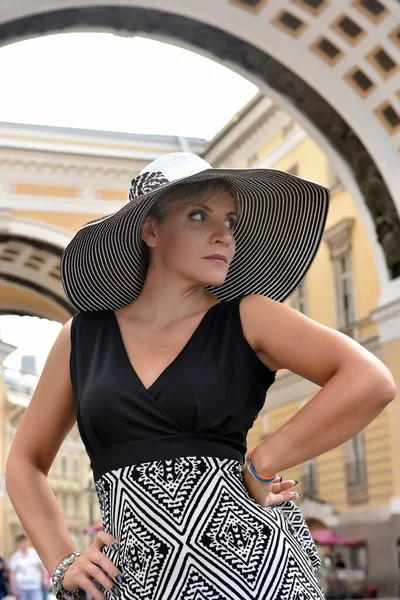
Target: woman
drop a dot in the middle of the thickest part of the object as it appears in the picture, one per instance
(179, 335)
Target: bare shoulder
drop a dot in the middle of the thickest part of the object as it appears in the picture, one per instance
(51, 411)
(286, 339)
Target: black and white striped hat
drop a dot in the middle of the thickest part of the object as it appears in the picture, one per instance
(282, 219)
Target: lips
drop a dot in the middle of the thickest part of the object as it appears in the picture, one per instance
(218, 258)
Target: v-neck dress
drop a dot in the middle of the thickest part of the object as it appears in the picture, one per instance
(168, 467)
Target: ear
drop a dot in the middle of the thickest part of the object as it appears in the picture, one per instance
(149, 233)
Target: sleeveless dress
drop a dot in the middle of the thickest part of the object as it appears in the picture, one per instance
(168, 467)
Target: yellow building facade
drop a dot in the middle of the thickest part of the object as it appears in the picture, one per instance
(353, 489)
(53, 181)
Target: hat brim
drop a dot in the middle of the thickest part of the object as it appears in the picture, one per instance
(282, 220)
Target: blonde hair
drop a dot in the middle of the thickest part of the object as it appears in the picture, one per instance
(188, 194)
(185, 194)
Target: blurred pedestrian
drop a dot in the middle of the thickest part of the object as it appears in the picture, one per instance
(3, 578)
(26, 571)
(339, 562)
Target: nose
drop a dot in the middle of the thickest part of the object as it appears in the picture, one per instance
(221, 235)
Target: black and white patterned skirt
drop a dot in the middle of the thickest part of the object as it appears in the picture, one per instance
(189, 530)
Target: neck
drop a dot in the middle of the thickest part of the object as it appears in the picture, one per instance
(169, 298)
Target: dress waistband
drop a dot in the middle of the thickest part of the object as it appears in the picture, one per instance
(160, 448)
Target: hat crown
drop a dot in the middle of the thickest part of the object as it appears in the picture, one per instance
(177, 165)
(166, 169)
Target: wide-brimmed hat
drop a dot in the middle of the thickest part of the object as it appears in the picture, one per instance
(282, 219)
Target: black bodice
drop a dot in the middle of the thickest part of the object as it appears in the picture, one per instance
(203, 403)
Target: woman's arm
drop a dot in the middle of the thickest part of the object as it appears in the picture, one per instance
(45, 424)
(356, 386)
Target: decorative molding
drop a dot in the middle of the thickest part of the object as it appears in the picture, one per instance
(67, 140)
(258, 121)
(254, 141)
(338, 237)
(289, 143)
(60, 205)
(95, 151)
(66, 169)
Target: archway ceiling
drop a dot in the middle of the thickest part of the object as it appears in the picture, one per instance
(335, 63)
(34, 266)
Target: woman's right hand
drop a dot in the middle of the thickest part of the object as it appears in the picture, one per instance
(94, 564)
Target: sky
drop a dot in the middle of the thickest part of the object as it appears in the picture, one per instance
(107, 82)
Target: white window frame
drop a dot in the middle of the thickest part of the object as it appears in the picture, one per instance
(338, 240)
(344, 318)
(356, 461)
(310, 472)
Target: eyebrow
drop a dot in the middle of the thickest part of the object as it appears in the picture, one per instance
(207, 208)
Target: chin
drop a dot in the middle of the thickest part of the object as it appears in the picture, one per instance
(211, 279)
(214, 281)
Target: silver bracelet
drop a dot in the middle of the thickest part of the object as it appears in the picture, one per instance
(57, 579)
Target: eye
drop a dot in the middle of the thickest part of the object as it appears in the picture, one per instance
(231, 223)
(197, 215)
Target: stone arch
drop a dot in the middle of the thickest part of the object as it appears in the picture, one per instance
(248, 36)
(30, 269)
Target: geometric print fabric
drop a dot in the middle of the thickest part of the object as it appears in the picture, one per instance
(189, 530)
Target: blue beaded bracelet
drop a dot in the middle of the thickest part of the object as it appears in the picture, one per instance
(252, 470)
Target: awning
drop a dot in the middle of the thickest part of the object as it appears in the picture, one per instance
(327, 537)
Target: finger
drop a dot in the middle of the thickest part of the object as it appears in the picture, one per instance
(282, 497)
(103, 579)
(105, 539)
(92, 589)
(101, 560)
(283, 486)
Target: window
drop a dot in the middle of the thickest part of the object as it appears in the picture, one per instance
(309, 479)
(344, 290)
(355, 461)
(63, 466)
(299, 299)
(338, 239)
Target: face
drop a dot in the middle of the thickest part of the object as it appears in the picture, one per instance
(195, 242)
(23, 545)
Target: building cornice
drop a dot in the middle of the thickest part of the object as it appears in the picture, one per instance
(108, 144)
(25, 167)
(338, 237)
(60, 205)
(280, 150)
